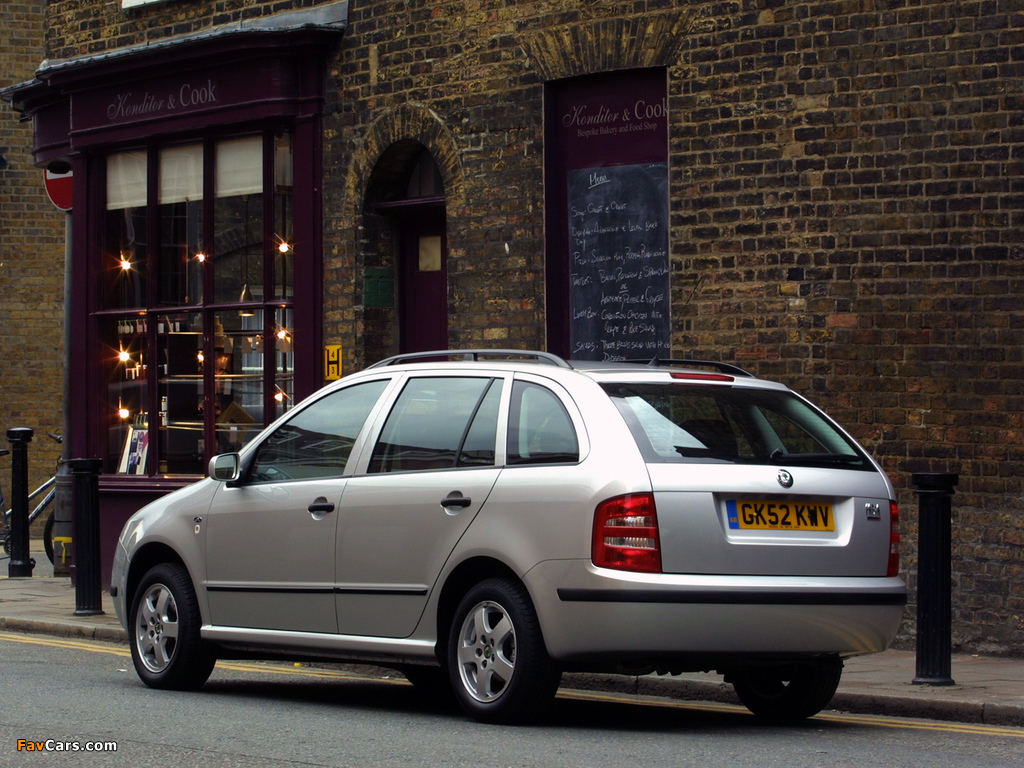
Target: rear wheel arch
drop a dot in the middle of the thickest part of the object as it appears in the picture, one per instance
(459, 582)
(498, 665)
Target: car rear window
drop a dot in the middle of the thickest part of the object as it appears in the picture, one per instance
(676, 422)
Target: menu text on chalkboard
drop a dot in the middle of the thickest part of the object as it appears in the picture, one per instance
(619, 269)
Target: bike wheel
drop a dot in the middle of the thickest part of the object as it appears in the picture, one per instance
(48, 537)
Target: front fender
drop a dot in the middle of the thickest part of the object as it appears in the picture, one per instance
(169, 529)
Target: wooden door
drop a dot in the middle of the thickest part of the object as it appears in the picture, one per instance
(423, 294)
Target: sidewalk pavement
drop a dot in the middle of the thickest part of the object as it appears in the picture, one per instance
(987, 689)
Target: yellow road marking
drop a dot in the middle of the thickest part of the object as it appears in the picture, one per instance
(55, 642)
(879, 721)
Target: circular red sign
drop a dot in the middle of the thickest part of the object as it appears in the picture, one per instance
(59, 187)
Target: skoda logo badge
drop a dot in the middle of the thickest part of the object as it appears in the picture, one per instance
(785, 479)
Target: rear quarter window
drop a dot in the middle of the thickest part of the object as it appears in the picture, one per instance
(540, 430)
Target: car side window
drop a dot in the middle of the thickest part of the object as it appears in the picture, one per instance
(539, 428)
(318, 440)
(439, 423)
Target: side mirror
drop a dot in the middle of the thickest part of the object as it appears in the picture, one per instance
(225, 467)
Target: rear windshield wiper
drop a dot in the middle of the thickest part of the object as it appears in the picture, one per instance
(778, 456)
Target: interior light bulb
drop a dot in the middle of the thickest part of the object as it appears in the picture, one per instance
(123, 356)
(124, 413)
(284, 247)
(126, 265)
(200, 257)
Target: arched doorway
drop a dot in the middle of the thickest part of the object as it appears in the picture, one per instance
(407, 188)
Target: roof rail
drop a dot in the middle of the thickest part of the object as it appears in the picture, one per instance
(468, 355)
(722, 367)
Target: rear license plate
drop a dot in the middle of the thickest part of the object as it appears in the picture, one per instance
(752, 514)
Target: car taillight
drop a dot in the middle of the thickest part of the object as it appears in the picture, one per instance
(626, 534)
(894, 540)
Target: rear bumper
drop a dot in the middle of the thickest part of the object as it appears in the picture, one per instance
(595, 614)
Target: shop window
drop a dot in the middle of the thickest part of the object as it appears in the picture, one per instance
(197, 323)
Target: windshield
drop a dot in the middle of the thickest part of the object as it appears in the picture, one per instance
(684, 423)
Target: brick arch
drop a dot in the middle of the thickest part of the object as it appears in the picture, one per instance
(409, 125)
(391, 142)
(608, 44)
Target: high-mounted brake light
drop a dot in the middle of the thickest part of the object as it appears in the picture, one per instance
(893, 568)
(626, 534)
(703, 377)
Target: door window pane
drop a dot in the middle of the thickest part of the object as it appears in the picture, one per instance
(430, 253)
(317, 441)
(428, 425)
(478, 447)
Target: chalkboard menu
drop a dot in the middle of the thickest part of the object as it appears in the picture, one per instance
(619, 270)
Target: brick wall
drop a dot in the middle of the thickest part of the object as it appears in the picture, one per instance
(31, 262)
(848, 193)
(847, 207)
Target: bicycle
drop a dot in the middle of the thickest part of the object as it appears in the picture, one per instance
(48, 491)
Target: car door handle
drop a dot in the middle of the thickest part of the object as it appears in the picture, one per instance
(456, 499)
(320, 507)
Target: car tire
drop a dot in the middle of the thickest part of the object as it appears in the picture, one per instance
(791, 693)
(167, 650)
(498, 664)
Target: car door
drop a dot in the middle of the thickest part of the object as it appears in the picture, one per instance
(270, 540)
(428, 475)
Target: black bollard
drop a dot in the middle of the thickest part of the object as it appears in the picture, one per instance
(86, 500)
(21, 563)
(934, 584)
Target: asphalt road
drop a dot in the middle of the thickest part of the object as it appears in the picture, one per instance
(254, 715)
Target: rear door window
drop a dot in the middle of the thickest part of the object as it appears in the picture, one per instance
(440, 423)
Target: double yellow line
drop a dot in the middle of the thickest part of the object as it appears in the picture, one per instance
(877, 721)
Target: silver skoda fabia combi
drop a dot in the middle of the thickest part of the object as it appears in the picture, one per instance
(485, 520)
